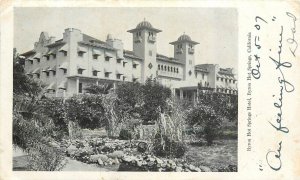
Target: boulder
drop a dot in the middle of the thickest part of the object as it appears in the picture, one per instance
(71, 150)
(94, 158)
(178, 169)
(116, 154)
(100, 162)
(192, 167)
(197, 169)
(205, 168)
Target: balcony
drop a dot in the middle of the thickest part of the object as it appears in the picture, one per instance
(152, 39)
(138, 39)
(179, 51)
(191, 51)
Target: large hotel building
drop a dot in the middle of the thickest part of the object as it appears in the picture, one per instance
(70, 64)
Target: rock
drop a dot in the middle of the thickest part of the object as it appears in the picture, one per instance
(150, 163)
(151, 159)
(197, 169)
(71, 150)
(139, 163)
(178, 169)
(192, 167)
(100, 162)
(205, 168)
(116, 154)
(159, 161)
(94, 158)
(116, 161)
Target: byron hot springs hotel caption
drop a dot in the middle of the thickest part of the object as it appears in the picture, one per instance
(70, 64)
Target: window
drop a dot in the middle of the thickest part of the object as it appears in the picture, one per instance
(171, 69)
(54, 73)
(65, 71)
(202, 76)
(168, 68)
(118, 76)
(165, 68)
(134, 66)
(95, 56)
(124, 63)
(225, 80)
(150, 53)
(119, 60)
(80, 54)
(107, 74)
(38, 60)
(54, 56)
(222, 79)
(158, 67)
(38, 76)
(65, 53)
(107, 58)
(80, 88)
(80, 71)
(47, 73)
(95, 73)
(48, 57)
(162, 67)
(31, 62)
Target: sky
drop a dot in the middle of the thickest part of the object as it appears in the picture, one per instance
(216, 29)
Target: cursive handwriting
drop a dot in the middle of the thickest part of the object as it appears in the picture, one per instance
(284, 85)
(293, 29)
(273, 158)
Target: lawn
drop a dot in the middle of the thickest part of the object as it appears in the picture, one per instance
(220, 154)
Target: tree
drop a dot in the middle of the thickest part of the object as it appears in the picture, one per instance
(155, 97)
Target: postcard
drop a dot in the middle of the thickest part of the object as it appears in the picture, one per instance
(150, 89)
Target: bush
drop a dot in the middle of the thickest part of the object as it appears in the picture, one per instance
(169, 148)
(125, 134)
(205, 117)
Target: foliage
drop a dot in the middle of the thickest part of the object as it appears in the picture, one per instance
(31, 127)
(99, 88)
(168, 140)
(155, 95)
(54, 108)
(22, 84)
(87, 110)
(45, 158)
(125, 134)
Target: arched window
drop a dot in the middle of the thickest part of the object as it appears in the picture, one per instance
(165, 67)
(171, 69)
(168, 68)
(158, 67)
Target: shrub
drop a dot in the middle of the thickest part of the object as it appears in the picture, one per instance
(168, 140)
(205, 117)
(87, 110)
(125, 134)
(169, 148)
(155, 95)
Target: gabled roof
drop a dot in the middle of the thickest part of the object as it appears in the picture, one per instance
(91, 41)
(28, 53)
(167, 59)
(131, 54)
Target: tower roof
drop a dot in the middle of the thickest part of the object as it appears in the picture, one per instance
(184, 38)
(144, 25)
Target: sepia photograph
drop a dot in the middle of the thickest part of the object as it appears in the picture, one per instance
(125, 89)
